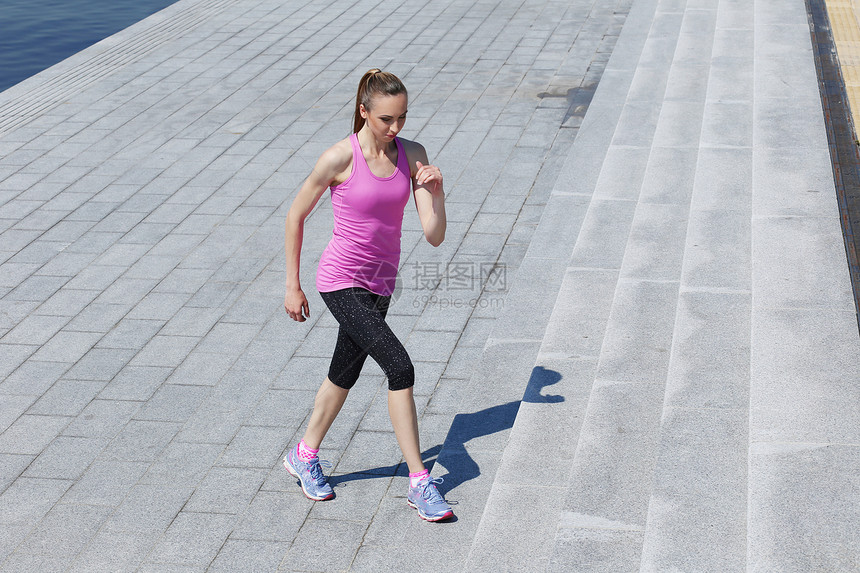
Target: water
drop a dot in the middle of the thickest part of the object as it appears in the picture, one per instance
(36, 34)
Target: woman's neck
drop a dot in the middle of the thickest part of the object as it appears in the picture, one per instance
(372, 146)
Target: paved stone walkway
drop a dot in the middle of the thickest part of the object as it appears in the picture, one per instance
(634, 350)
(151, 379)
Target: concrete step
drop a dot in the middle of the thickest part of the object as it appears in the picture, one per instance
(697, 509)
(662, 411)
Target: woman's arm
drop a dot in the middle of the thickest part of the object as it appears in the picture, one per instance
(429, 194)
(327, 171)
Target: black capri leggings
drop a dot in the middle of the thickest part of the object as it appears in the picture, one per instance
(363, 330)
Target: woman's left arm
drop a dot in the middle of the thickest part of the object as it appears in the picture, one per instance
(429, 194)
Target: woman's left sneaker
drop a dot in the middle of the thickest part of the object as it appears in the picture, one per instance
(428, 501)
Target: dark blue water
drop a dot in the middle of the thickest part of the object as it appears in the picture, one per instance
(36, 34)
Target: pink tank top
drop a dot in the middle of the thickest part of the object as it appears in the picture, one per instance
(364, 250)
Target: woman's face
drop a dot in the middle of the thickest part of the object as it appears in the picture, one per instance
(386, 116)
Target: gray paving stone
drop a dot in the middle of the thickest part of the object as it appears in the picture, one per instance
(33, 378)
(30, 434)
(66, 457)
(779, 118)
(251, 556)
(723, 179)
(669, 176)
(37, 288)
(622, 172)
(95, 277)
(126, 291)
(680, 122)
(639, 332)
(491, 550)
(182, 462)
(201, 368)
(67, 302)
(370, 452)
(603, 232)
(216, 421)
(136, 383)
(148, 509)
(67, 397)
(65, 530)
(811, 404)
(24, 505)
(253, 447)
(105, 483)
(13, 465)
(192, 539)
(710, 360)
(273, 516)
(102, 418)
(35, 329)
(595, 546)
(620, 431)
(324, 545)
(718, 250)
(140, 440)
(226, 490)
(165, 350)
(130, 333)
(655, 247)
(783, 279)
(699, 492)
(173, 403)
(374, 558)
(192, 320)
(114, 551)
(286, 407)
(731, 75)
(717, 131)
(797, 472)
(805, 192)
(578, 321)
(100, 364)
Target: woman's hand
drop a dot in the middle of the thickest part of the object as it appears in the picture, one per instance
(431, 174)
(296, 305)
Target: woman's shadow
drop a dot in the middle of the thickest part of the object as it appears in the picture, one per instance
(464, 428)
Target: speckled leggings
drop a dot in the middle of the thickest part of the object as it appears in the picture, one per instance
(363, 331)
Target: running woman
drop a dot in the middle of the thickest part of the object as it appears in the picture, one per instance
(370, 174)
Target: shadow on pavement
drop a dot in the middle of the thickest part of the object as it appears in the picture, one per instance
(465, 428)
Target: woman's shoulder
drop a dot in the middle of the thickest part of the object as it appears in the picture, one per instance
(414, 152)
(411, 147)
(336, 160)
(339, 154)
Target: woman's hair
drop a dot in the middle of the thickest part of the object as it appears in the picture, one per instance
(374, 82)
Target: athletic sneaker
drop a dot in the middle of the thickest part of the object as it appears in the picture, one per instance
(428, 501)
(310, 474)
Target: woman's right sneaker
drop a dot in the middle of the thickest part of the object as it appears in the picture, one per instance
(428, 501)
(310, 474)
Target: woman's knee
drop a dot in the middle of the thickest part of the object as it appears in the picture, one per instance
(401, 377)
(343, 380)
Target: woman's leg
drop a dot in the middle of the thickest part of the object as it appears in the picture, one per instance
(346, 363)
(327, 404)
(404, 418)
(361, 315)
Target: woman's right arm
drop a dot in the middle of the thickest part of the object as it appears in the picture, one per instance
(326, 172)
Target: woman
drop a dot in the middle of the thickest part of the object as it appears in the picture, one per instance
(370, 174)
